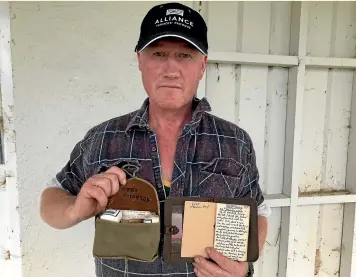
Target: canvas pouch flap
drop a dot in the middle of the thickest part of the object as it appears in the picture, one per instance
(136, 241)
(137, 194)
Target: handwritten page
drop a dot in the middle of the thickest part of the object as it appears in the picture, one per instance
(198, 228)
(231, 230)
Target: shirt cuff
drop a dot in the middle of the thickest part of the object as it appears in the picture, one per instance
(264, 210)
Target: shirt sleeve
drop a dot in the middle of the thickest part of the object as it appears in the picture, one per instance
(72, 176)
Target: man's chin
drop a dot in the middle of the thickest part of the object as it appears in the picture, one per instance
(170, 100)
(172, 104)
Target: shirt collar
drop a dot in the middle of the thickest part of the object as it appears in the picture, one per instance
(140, 119)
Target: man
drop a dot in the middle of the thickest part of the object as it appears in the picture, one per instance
(171, 141)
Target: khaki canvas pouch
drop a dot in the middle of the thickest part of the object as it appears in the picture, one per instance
(136, 241)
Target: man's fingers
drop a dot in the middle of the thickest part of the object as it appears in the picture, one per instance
(99, 195)
(223, 262)
(211, 268)
(110, 180)
(119, 172)
(200, 271)
(101, 182)
(200, 274)
(113, 182)
(197, 273)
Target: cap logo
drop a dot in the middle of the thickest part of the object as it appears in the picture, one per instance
(175, 11)
(167, 20)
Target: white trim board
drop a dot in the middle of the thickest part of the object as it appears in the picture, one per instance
(279, 60)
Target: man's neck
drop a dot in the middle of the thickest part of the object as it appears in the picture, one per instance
(169, 121)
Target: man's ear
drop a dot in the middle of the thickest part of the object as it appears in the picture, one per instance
(138, 54)
(203, 66)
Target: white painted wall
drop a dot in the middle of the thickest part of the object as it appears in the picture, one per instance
(74, 66)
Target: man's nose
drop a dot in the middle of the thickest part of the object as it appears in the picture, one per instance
(171, 68)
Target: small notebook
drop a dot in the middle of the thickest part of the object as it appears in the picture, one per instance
(222, 226)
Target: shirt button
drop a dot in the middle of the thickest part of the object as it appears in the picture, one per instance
(159, 185)
(154, 149)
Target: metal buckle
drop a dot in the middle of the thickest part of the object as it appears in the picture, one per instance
(171, 230)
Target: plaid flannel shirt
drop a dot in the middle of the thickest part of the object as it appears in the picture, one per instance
(214, 158)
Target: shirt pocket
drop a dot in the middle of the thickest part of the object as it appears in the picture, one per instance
(221, 177)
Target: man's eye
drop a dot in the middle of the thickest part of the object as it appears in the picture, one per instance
(158, 54)
(185, 56)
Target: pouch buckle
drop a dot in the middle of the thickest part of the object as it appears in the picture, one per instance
(171, 230)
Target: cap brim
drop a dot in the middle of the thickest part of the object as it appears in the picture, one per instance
(190, 40)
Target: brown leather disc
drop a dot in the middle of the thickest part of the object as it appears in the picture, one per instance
(137, 194)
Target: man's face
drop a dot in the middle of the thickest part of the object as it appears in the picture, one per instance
(171, 71)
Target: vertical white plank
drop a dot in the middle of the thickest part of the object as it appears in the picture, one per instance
(287, 265)
(338, 99)
(12, 265)
(311, 155)
(294, 30)
(276, 110)
(223, 31)
(303, 254)
(315, 250)
(351, 155)
(252, 109)
(328, 248)
(3, 225)
(280, 28)
(292, 167)
(319, 39)
(267, 265)
(276, 106)
(256, 32)
(348, 246)
(220, 90)
(313, 130)
(345, 44)
(336, 130)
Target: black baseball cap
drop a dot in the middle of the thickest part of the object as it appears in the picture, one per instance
(173, 20)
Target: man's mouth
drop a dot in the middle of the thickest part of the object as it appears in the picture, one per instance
(170, 86)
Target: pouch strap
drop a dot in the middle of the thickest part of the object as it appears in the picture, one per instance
(123, 168)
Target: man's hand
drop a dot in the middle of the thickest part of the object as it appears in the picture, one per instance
(93, 196)
(224, 267)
